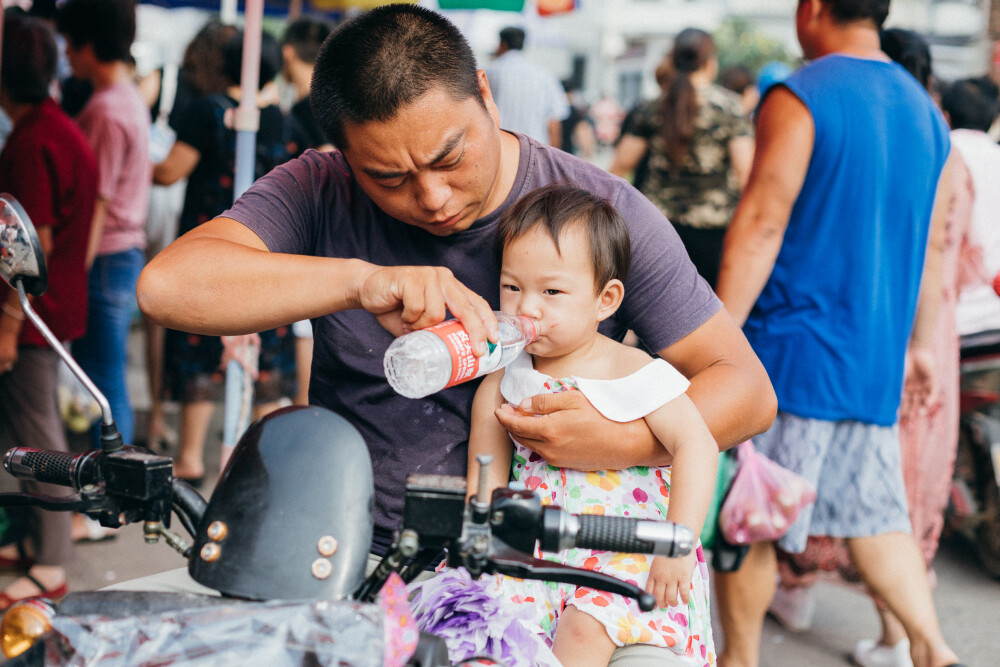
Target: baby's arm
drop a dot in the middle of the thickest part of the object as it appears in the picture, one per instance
(679, 426)
(487, 436)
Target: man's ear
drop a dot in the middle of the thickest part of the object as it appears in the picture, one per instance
(610, 299)
(487, 95)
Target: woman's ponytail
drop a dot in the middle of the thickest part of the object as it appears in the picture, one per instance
(693, 48)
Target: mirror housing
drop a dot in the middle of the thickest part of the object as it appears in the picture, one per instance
(21, 257)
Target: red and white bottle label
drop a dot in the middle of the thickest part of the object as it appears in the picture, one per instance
(464, 364)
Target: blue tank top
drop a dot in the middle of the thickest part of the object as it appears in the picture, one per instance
(833, 321)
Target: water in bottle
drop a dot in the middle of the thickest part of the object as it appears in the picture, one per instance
(426, 361)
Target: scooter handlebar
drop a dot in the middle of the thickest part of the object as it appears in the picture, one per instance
(61, 468)
(561, 530)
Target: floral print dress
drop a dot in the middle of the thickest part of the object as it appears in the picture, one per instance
(640, 492)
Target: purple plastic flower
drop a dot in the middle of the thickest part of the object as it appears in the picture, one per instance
(473, 620)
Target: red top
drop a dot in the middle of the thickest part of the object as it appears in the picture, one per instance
(48, 166)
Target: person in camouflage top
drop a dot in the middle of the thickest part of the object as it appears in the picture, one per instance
(698, 146)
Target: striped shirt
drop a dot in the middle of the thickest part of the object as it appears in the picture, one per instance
(528, 96)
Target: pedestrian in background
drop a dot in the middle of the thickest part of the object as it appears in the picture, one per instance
(299, 49)
(205, 154)
(530, 98)
(116, 122)
(49, 167)
(928, 434)
(700, 147)
(823, 263)
(970, 105)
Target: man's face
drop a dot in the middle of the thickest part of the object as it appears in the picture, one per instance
(434, 165)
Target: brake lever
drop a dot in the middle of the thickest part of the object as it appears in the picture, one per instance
(504, 559)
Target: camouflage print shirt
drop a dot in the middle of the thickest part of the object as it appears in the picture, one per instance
(703, 191)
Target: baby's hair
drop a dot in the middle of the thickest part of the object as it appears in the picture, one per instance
(560, 205)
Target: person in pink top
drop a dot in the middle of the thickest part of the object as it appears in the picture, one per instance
(116, 122)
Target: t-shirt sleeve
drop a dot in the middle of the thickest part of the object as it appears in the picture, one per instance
(665, 298)
(109, 141)
(282, 206)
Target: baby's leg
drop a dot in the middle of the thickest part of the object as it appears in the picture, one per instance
(581, 640)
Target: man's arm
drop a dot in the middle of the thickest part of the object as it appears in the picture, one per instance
(628, 154)
(96, 230)
(784, 147)
(220, 279)
(555, 133)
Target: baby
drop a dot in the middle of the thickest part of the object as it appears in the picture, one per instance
(565, 255)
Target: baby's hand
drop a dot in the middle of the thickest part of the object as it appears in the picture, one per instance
(669, 577)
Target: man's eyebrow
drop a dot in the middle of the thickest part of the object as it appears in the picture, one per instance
(380, 174)
(449, 147)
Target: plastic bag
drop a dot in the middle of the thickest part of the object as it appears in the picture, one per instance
(279, 633)
(77, 406)
(764, 500)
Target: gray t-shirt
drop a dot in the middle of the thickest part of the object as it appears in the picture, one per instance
(312, 206)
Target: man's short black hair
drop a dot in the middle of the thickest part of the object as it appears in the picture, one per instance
(29, 59)
(306, 35)
(559, 206)
(513, 37)
(377, 62)
(971, 104)
(270, 59)
(847, 11)
(107, 25)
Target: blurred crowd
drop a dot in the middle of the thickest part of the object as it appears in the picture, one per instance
(113, 167)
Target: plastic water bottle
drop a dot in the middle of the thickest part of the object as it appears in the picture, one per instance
(427, 361)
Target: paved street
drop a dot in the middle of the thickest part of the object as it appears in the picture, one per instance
(968, 601)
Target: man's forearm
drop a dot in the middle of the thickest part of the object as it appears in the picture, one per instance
(217, 286)
(735, 400)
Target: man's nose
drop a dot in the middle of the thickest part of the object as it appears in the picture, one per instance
(432, 191)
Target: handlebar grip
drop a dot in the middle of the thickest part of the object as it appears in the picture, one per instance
(613, 533)
(43, 465)
(609, 533)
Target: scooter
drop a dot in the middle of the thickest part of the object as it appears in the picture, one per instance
(974, 504)
(282, 544)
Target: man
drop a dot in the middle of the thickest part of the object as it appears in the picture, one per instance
(49, 167)
(823, 263)
(115, 120)
(399, 223)
(530, 98)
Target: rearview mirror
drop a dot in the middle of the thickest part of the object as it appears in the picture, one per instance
(21, 257)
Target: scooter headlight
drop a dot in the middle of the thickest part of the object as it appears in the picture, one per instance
(23, 624)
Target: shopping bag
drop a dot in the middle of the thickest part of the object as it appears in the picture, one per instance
(764, 500)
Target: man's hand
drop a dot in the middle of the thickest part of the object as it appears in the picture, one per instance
(568, 432)
(670, 579)
(920, 383)
(407, 298)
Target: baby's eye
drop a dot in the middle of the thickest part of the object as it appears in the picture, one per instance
(552, 292)
(511, 288)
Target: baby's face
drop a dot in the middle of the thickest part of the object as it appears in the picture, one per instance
(553, 287)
